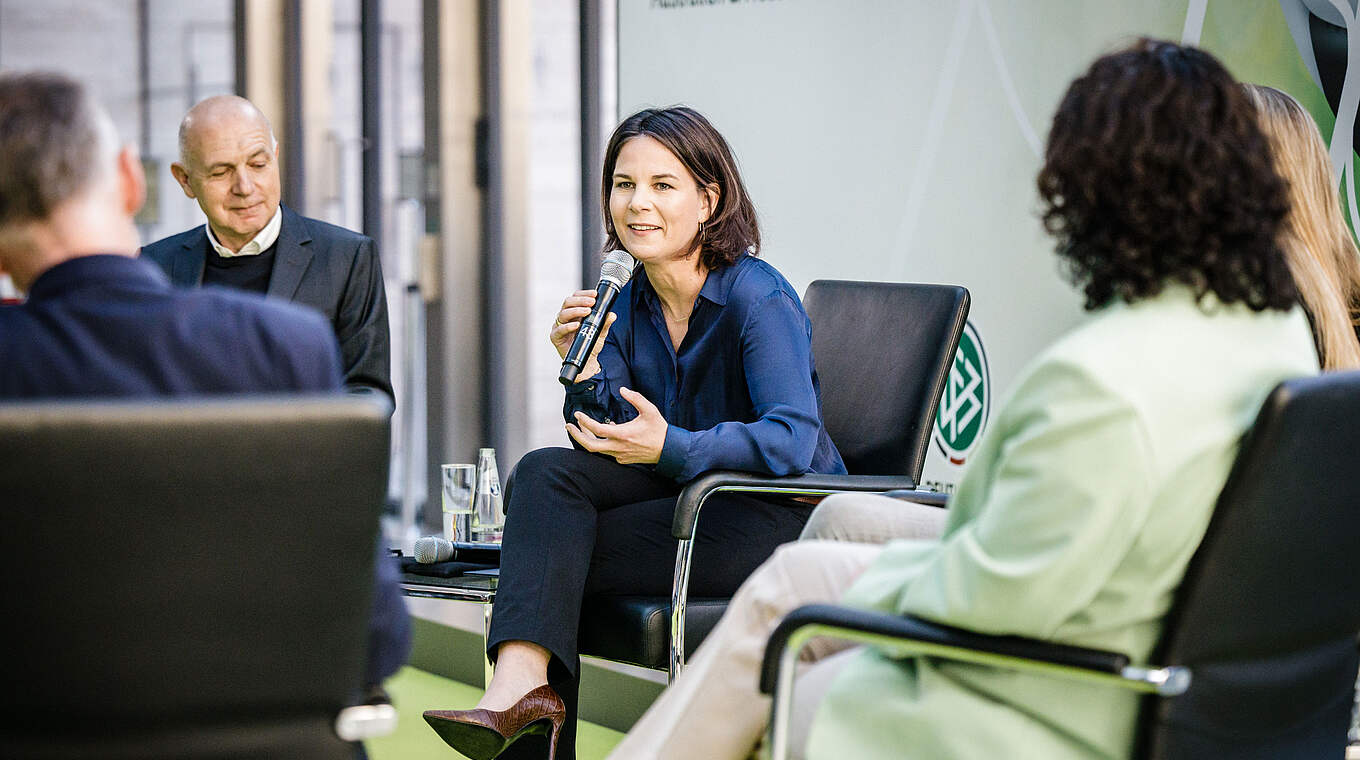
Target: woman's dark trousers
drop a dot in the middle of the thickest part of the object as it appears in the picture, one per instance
(579, 523)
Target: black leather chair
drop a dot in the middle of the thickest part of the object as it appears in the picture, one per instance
(1259, 653)
(189, 579)
(883, 351)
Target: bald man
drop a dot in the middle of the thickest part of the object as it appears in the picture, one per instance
(229, 163)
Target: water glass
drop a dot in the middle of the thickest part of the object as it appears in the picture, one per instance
(456, 485)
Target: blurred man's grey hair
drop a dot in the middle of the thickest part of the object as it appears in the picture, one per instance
(55, 142)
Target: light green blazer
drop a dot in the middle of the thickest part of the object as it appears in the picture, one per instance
(1073, 522)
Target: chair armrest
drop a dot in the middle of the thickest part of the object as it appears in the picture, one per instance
(929, 498)
(910, 635)
(812, 484)
(376, 717)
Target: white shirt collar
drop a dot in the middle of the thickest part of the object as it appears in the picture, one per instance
(262, 241)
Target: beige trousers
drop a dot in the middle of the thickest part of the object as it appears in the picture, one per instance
(714, 710)
(872, 519)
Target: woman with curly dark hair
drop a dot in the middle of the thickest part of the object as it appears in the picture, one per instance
(708, 365)
(1181, 193)
(1092, 487)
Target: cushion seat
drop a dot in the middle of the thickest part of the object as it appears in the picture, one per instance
(637, 629)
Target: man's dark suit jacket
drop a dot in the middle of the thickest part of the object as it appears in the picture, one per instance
(112, 326)
(329, 268)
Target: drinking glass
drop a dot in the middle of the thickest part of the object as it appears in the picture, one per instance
(456, 484)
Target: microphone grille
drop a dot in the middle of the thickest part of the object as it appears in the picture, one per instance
(617, 267)
(428, 552)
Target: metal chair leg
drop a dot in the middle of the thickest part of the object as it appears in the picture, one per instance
(684, 554)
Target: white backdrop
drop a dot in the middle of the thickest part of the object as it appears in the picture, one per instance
(896, 141)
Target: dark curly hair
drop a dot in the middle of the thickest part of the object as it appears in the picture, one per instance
(1157, 171)
(731, 229)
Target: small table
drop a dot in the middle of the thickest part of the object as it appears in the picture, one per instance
(480, 589)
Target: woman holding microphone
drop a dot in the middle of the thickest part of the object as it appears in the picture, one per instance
(705, 363)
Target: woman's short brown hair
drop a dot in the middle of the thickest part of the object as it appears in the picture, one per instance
(1156, 172)
(731, 229)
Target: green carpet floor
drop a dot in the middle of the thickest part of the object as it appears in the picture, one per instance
(414, 691)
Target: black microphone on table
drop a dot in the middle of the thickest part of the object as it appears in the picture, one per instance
(617, 268)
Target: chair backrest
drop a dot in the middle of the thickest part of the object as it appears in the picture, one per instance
(1268, 614)
(187, 578)
(883, 353)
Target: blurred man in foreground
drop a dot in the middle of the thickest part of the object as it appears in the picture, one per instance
(99, 322)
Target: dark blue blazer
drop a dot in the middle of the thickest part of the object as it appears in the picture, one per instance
(329, 268)
(112, 326)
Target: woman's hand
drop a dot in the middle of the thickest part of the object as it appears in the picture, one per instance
(637, 441)
(574, 309)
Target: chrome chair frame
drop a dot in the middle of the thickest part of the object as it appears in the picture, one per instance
(906, 637)
(693, 498)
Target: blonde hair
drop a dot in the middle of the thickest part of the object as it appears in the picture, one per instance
(1317, 244)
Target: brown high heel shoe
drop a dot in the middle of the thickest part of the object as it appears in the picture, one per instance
(484, 734)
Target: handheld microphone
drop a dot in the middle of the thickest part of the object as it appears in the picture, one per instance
(618, 267)
(432, 549)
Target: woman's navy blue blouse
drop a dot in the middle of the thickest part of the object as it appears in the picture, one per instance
(740, 394)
